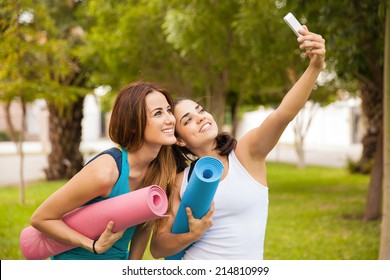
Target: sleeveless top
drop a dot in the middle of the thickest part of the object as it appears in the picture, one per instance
(120, 249)
(239, 220)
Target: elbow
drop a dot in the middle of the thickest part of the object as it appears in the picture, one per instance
(35, 221)
(155, 252)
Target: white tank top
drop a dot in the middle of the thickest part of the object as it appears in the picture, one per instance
(239, 220)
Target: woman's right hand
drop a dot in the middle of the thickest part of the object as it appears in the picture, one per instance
(198, 227)
(107, 239)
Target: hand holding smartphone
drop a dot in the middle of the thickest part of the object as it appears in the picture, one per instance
(294, 24)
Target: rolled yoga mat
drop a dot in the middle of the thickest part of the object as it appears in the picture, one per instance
(198, 196)
(125, 210)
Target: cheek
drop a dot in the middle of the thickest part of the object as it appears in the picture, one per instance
(180, 130)
(184, 132)
(210, 117)
(173, 120)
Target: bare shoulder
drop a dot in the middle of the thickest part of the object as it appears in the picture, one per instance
(95, 179)
(255, 166)
(104, 172)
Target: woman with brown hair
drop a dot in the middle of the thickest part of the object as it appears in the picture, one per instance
(142, 124)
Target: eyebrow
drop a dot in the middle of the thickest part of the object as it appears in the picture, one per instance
(156, 109)
(186, 114)
(159, 109)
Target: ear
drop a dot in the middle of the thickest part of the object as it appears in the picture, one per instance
(180, 142)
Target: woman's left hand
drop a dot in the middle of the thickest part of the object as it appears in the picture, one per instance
(314, 45)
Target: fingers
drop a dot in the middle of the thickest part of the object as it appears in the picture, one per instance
(309, 36)
(110, 226)
(189, 213)
(115, 235)
(108, 238)
(210, 213)
(311, 42)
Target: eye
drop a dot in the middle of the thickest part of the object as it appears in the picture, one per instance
(169, 110)
(201, 110)
(157, 113)
(187, 121)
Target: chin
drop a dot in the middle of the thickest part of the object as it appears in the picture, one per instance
(170, 141)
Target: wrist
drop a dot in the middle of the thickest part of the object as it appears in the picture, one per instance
(193, 236)
(94, 247)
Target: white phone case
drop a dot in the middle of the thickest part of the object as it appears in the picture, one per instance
(293, 23)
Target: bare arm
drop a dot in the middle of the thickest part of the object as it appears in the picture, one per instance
(164, 243)
(139, 242)
(95, 179)
(257, 143)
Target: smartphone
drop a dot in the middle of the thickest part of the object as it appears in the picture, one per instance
(293, 23)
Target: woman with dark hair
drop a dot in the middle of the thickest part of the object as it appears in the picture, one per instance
(234, 228)
(143, 125)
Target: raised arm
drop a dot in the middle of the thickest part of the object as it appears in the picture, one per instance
(258, 142)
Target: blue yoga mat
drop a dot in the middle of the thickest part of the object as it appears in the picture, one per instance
(199, 195)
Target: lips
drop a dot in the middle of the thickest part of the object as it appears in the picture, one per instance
(168, 131)
(205, 127)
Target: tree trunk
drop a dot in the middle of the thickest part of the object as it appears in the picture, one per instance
(18, 139)
(384, 250)
(65, 158)
(374, 195)
(302, 124)
(299, 140)
(373, 113)
(218, 99)
(234, 117)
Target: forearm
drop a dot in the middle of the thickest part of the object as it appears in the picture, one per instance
(59, 231)
(139, 242)
(167, 244)
(296, 98)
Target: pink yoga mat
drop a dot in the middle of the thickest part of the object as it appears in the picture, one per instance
(125, 210)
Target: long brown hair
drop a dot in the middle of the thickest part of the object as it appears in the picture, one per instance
(127, 126)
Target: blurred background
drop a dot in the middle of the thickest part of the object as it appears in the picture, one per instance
(63, 61)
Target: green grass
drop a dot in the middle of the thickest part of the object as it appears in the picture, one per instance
(314, 213)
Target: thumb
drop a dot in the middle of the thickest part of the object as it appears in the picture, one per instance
(189, 213)
(110, 226)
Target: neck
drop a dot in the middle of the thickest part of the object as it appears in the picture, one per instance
(140, 160)
(204, 150)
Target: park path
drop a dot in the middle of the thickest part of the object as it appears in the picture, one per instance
(36, 158)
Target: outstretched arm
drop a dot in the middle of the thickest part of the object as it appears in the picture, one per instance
(257, 143)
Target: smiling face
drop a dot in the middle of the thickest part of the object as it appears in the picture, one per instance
(195, 127)
(160, 124)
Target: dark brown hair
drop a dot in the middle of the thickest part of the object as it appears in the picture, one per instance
(224, 144)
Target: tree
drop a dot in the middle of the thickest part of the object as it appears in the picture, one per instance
(220, 52)
(384, 251)
(357, 58)
(65, 104)
(21, 68)
(125, 42)
(49, 69)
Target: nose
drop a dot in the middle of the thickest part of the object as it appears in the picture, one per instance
(201, 118)
(169, 118)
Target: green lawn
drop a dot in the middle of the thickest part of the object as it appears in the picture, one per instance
(314, 213)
